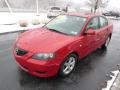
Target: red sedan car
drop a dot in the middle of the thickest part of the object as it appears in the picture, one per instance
(55, 48)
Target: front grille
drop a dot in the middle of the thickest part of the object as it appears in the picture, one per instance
(21, 52)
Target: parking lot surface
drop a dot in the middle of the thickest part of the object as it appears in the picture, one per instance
(90, 72)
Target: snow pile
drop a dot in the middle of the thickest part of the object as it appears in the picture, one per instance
(111, 82)
(10, 22)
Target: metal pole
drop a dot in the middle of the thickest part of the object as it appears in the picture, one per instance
(37, 6)
(10, 9)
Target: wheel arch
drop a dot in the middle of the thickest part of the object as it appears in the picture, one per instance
(76, 53)
(110, 35)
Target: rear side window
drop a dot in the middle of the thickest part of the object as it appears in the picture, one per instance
(103, 22)
(93, 24)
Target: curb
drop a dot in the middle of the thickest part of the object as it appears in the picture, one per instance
(113, 83)
(116, 83)
(12, 32)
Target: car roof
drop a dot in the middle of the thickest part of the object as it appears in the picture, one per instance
(86, 15)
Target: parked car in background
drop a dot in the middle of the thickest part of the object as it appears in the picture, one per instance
(54, 11)
(111, 13)
(56, 47)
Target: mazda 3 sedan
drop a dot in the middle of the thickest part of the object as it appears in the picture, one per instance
(55, 48)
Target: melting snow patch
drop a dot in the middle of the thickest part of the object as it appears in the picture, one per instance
(111, 82)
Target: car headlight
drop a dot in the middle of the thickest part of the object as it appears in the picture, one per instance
(43, 56)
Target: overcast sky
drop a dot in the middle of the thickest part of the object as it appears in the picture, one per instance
(113, 4)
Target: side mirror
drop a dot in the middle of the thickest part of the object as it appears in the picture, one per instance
(90, 32)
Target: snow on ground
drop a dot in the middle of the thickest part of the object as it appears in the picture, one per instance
(110, 82)
(10, 21)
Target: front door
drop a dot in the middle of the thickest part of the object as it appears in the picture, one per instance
(90, 42)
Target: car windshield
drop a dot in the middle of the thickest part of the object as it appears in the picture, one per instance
(66, 24)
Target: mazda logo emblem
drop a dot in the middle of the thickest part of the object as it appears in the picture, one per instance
(16, 49)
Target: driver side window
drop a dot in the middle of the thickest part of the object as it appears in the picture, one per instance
(93, 24)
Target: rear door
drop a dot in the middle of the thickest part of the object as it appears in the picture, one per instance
(103, 30)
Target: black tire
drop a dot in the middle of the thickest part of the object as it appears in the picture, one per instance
(105, 45)
(62, 71)
(49, 16)
(117, 16)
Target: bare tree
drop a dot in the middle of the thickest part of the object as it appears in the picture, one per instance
(95, 4)
(25, 5)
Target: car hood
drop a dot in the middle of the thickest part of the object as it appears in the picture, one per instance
(43, 40)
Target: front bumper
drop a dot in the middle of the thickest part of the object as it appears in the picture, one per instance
(40, 68)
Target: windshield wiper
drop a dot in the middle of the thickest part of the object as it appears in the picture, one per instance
(56, 31)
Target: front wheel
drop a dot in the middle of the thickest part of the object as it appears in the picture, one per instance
(68, 65)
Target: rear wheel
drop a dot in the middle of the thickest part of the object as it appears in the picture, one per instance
(49, 16)
(68, 65)
(107, 42)
(117, 16)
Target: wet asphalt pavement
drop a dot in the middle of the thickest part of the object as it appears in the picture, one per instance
(89, 74)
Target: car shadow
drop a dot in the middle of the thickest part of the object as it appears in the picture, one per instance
(83, 68)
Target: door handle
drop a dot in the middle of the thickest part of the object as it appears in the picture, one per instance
(97, 39)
